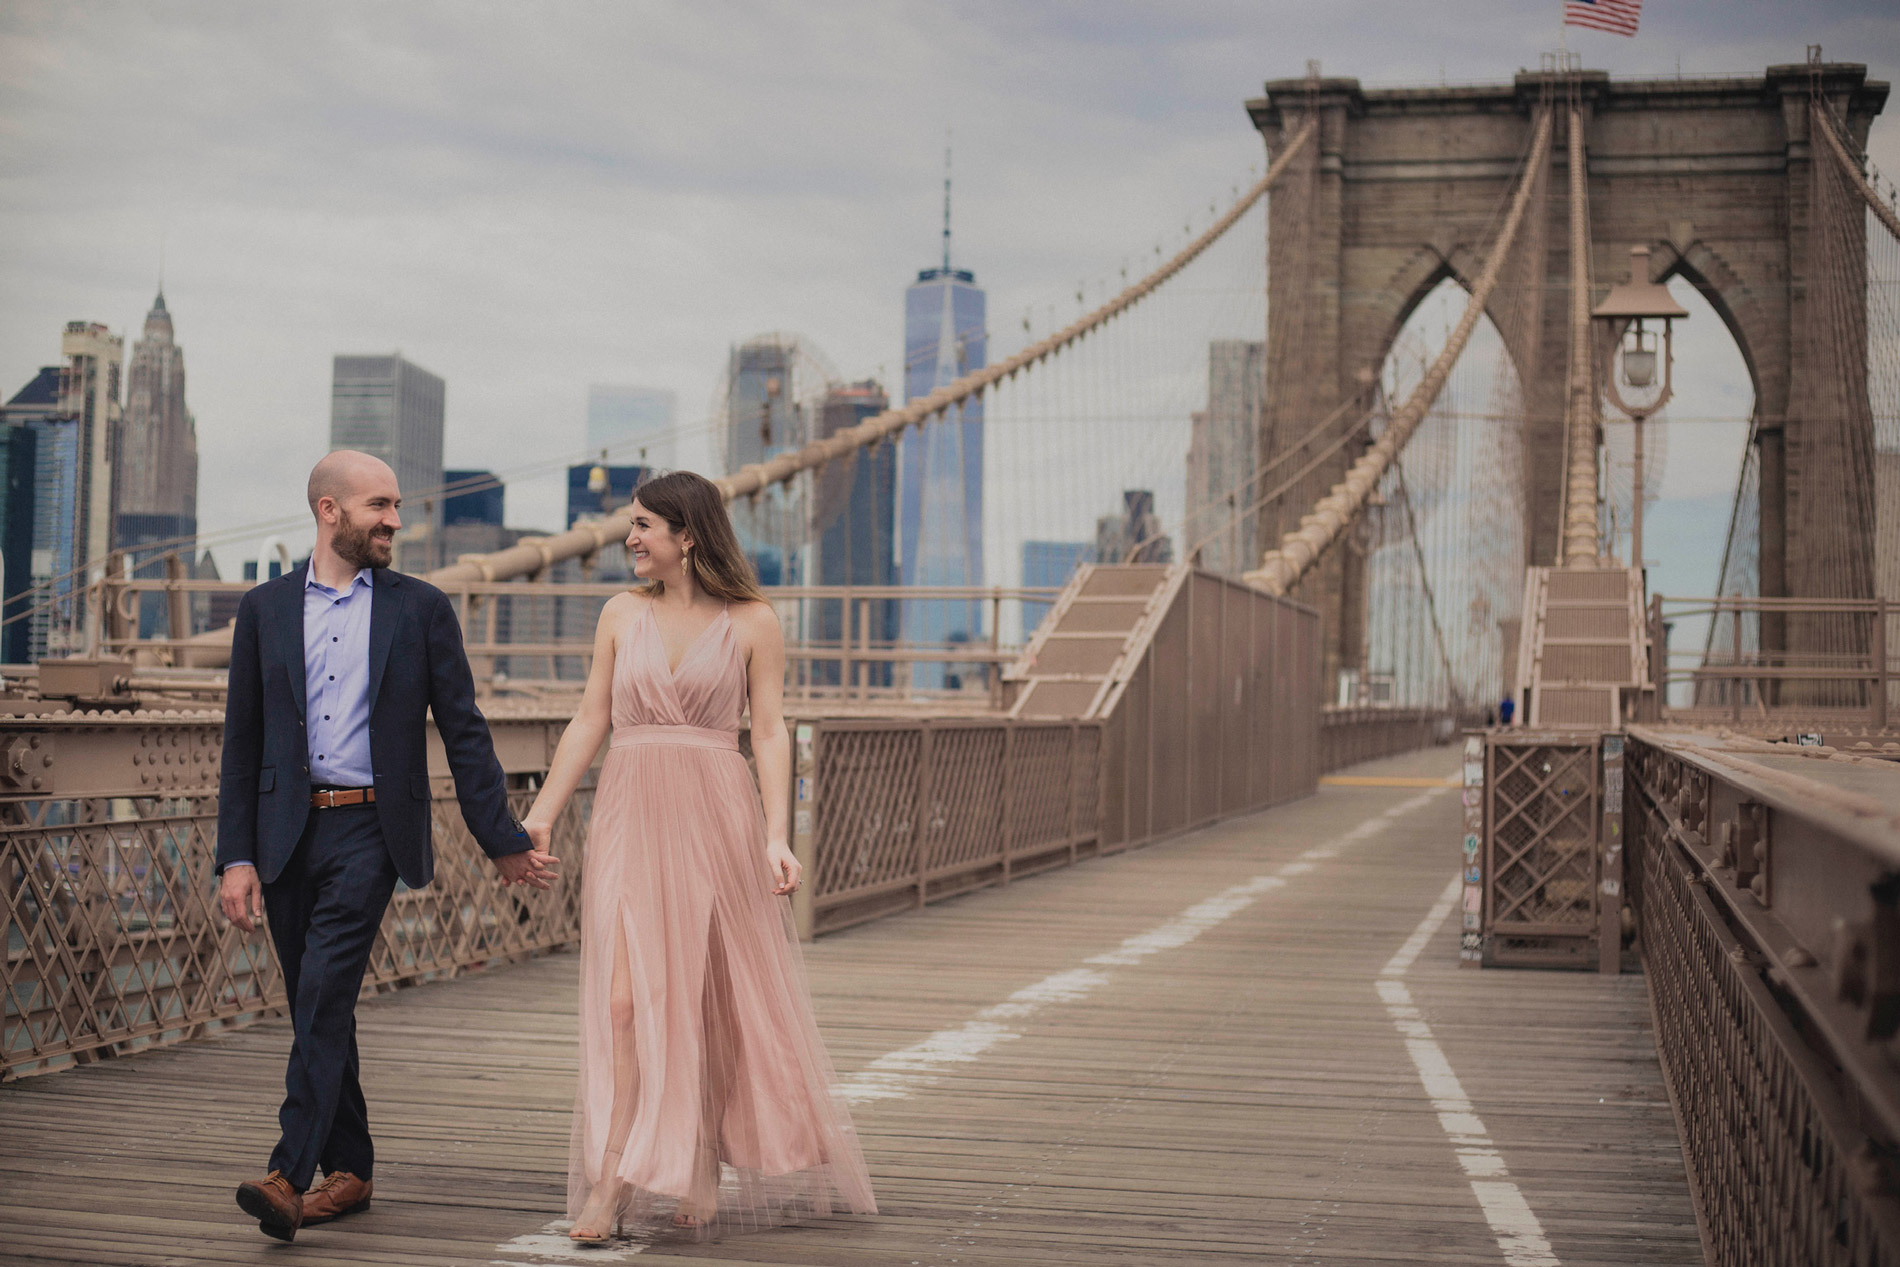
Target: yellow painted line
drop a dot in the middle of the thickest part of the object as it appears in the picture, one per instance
(1395, 780)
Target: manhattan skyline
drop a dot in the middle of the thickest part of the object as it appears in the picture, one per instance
(525, 209)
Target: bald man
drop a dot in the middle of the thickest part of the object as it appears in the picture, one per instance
(323, 803)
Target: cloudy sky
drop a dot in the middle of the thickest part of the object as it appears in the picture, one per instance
(529, 197)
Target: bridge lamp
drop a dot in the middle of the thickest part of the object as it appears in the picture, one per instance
(597, 480)
(1625, 310)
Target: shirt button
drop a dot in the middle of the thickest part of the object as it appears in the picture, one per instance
(333, 677)
(326, 717)
(333, 640)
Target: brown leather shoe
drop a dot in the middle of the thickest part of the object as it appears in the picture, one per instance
(274, 1203)
(339, 1194)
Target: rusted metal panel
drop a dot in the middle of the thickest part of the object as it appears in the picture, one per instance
(1238, 649)
(1170, 735)
(1540, 865)
(1207, 710)
(1765, 886)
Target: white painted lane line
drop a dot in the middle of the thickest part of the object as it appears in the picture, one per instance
(1520, 1236)
(894, 1075)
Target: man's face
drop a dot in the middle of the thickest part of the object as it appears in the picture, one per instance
(366, 523)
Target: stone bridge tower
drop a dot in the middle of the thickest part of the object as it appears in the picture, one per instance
(1718, 176)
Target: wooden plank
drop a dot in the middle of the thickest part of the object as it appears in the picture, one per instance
(1240, 1097)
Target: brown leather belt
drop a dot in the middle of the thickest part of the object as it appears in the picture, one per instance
(331, 798)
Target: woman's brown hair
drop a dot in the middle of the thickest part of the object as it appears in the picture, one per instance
(692, 507)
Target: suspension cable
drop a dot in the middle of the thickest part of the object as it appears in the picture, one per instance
(1280, 569)
(585, 539)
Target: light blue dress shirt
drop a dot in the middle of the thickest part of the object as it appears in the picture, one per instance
(336, 680)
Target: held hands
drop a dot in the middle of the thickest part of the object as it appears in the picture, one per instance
(241, 897)
(536, 866)
(786, 872)
(533, 868)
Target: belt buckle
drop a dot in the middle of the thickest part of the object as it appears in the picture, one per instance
(331, 793)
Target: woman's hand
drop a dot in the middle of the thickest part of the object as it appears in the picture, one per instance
(540, 833)
(786, 873)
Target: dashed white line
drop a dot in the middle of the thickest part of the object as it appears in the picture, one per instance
(1520, 1236)
(895, 1074)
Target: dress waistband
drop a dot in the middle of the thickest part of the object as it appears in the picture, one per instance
(686, 736)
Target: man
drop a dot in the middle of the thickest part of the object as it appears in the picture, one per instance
(324, 802)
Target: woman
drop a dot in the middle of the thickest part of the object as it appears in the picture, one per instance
(697, 1045)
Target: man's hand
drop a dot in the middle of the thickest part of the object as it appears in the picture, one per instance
(241, 897)
(533, 867)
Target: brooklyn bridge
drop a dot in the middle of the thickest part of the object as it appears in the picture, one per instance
(1204, 907)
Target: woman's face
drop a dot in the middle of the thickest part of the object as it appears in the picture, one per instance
(658, 551)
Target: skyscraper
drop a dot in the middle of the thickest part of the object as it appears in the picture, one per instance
(157, 498)
(35, 420)
(765, 418)
(392, 409)
(1134, 535)
(1049, 563)
(940, 465)
(1222, 446)
(473, 497)
(89, 394)
(30, 412)
(854, 521)
(633, 424)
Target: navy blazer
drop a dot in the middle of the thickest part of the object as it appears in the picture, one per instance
(416, 666)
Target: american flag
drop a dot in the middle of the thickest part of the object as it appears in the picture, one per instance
(1615, 16)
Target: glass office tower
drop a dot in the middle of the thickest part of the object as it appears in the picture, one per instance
(392, 408)
(940, 466)
(854, 522)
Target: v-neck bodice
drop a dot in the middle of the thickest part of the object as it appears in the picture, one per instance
(707, 691)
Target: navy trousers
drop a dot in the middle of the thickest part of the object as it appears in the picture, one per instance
(324, 912)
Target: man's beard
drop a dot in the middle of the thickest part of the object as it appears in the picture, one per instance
(360, 547)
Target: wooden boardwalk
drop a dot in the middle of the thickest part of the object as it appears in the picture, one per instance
(1200, 1052)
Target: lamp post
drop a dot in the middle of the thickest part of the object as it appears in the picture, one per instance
(1624, 310)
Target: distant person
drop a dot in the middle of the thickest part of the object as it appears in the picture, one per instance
(1507, 708)
(698, 1048)
(323, 801)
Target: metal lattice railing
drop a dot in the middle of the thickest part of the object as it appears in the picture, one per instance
(1768, 1005)
(115, 942)
(910, 811)
(1541, 793)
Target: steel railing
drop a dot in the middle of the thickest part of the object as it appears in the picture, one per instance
(1766, 914)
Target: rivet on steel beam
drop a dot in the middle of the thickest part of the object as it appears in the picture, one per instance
(1883, 960)
(1850, 960)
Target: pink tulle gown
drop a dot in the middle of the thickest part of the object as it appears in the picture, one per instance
(703, 1082)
